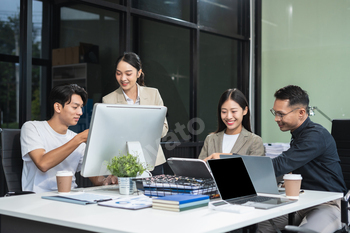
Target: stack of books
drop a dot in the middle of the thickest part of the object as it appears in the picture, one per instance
(180, 202)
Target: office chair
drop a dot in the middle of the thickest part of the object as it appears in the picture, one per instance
(341, 134)
(12, 160)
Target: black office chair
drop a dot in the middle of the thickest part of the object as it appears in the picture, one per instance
(12, 162)
(11, 158)
(341, 135)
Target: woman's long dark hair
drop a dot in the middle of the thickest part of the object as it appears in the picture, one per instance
(237, 96)
(134, 60)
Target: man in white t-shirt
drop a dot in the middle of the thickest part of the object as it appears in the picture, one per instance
(49, 146)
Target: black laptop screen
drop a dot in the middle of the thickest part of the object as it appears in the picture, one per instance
(231, 177)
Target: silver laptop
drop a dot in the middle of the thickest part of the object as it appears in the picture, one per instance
(261, 172)
(189, 167)
(236, 187)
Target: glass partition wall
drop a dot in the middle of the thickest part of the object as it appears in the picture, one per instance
(192, 51)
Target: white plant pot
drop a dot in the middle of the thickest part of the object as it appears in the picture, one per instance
(126, 185)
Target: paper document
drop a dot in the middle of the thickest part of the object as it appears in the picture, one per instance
(133, 203)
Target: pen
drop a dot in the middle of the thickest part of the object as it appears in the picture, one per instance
(103, 200)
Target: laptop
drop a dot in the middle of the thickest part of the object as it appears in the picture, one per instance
(190, 167)
(261, 172)
(236, 187)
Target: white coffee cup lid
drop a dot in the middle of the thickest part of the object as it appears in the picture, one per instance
(292, 177)
(64, 173)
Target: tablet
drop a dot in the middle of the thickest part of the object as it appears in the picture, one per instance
(189, 167)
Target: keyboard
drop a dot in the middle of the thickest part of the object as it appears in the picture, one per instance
(252, 199)
(180, 182)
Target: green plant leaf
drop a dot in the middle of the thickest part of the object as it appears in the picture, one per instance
(126, 166)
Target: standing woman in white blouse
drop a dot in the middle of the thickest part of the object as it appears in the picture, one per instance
(234, 133)
(132, 90)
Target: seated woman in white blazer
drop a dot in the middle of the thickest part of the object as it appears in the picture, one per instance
(234, 134)
(129, 75)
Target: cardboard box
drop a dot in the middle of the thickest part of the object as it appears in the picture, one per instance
(72, 55)
(84, 53)
(58, 57)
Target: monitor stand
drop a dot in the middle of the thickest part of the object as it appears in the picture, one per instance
(135, 148)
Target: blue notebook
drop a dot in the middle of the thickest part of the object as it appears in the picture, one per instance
(179, 199)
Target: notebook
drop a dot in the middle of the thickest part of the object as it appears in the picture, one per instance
(180, 199)
(261, 172)
(236, 187)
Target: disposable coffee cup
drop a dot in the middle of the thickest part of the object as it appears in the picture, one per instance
(292, 183)
(64, 181)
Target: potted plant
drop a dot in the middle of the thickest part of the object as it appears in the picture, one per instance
(126, 167)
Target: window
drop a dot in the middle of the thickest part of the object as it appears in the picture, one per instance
(100, 27)
(9, 98)
(165, 52)
(9, 27)
(221, 15)
(38, 50)
(218, 72)
(176, 9)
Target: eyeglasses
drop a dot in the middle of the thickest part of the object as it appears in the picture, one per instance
(281, 115)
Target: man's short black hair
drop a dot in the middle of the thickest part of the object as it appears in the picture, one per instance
(294, 94)
(63, 94)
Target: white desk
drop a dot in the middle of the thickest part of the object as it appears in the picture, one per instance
(105, 219)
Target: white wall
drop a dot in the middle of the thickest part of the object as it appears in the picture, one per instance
(306, 43)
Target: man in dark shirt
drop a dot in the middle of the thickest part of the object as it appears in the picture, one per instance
(313, 154)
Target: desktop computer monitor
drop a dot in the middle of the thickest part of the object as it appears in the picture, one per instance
(118, 129)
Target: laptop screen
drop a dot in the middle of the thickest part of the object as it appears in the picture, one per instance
(261, 172)
(231, 177)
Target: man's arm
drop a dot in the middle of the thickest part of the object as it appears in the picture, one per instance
(304, 149)
(45, 161)
(101, 180)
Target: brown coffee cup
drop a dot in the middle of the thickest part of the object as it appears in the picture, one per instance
(64, 181)
(292, 183)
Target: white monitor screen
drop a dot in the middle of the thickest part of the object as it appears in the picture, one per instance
(112, 126)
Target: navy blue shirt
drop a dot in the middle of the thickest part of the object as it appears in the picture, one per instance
(313, 154)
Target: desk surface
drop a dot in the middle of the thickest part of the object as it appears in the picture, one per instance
(106, 219)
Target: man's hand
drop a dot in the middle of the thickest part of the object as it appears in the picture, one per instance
(110, 180)
(83, 135)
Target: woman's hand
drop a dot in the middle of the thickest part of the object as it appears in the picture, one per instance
(215, 156)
